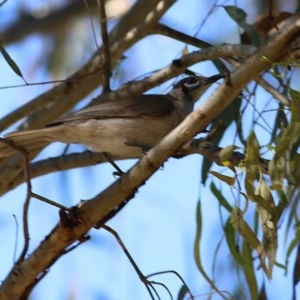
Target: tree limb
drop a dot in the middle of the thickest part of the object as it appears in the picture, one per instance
(61, 98)
(90, 212)
(28, 24)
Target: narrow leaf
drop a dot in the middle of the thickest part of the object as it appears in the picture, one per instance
(296, 275)
(182, 292)
(222, 200)
(239, 16)
(246, 232)
(197, 251)
(11, 62)
(249, 271)
(252, 165)
(231, 243)
(224, 178)
(236, 13)
(291, 247)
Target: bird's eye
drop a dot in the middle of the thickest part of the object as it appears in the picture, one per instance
(189, 84)
(191, 80)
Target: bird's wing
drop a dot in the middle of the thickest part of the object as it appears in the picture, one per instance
(144, 106)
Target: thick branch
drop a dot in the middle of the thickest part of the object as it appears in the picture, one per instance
(88, 158)
(28, 24)
(182, 37)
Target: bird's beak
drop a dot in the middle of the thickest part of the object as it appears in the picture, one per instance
(202, 84)
(203, 81)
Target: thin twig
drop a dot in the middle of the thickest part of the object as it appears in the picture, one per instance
(136, 268)
(92, 23)
(26, 205)
(26, 160)
(180, 36)
(3, 2)
(51, 202)
(176, 274)
(271, 19)
(273, 91)
(17, 235)
(26, 166)
(105, 46)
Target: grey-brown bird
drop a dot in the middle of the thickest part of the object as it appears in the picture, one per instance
(126, 128)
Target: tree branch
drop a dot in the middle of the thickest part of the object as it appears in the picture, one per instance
(61, 98)
(28, 24)
(182, 37)
(136, 88)
(81, 83)
(88, 158)
(90, 212)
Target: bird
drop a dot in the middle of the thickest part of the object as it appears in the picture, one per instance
(126, 128)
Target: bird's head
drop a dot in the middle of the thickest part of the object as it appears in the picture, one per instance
(193, 87)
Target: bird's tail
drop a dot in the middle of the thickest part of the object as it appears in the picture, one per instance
(31, 141)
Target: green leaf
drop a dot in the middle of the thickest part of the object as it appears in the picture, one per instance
(289, 138)
(279, 122)
(252, 165)
(241, 226)
(227, 179)
(182, 292)
(268, 217)
(295, 105)
(283, 203)
(236, 13)
(11, 62)
(228, 116)
(292, 211)
(264, 192)
(231, 243)
(262, 293)
(239, 16)
(222, 200)
(291, 247)
(197, 251)
(249, 271)
(288, 142)
(294, 166)
(296, 274)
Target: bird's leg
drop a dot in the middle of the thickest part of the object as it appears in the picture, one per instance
(118, 172)
(132, 143)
